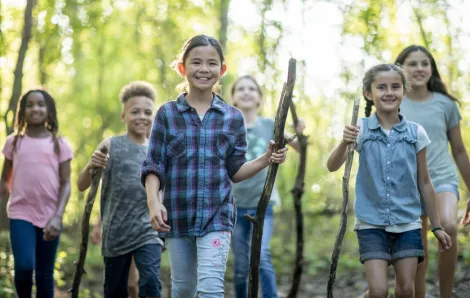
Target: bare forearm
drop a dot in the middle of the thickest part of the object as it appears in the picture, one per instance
(84, 178)
(429, 198)
(463, 163)
(64, 194)
(251, 168)
(152, 187)
(337, 157)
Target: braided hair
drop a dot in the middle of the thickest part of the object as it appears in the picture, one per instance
(370, 76)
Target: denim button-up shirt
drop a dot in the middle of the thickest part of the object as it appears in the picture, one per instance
(194, 160)
(387, 181)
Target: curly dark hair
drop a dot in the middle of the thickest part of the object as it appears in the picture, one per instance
(52, 123)
(137, 88)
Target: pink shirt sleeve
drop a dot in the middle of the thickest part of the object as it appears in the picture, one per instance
(66, 152)
(8, 148)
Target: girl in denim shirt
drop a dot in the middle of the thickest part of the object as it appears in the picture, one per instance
(429, 104)
(392, 177)
(197, 149)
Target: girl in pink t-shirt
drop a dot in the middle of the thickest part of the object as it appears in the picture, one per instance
(37, 167)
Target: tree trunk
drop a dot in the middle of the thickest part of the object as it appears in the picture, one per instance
(18, 80)
(344, 210)
(258, 221)
(224, 4)
(297, 192)
(9, 117)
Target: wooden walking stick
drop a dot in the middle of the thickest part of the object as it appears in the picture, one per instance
(344, 211)
(297, 192)
(258, 220)
(79, 270)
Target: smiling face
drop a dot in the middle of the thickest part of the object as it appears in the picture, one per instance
(246, 94)
(35, 109)
(137, 114)
(202, 68)
(418, 68)
(386, 91)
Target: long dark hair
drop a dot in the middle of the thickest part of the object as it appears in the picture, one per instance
(52, 124)
(435, 83)
(370, 76)
(194, 42)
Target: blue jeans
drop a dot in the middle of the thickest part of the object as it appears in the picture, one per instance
(198, 264)
(241, 245)
(32, 254)
(147, 259)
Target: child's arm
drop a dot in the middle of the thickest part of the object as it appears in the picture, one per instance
(6, 174)
(96, 233)
(97, 160)
(428, 194)
(338, 155)
(54, 225)
(298, 129)
(251, 168)
(158, 213)
(460, 155)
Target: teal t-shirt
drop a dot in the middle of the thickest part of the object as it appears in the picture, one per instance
(437, 115)
(248, 192)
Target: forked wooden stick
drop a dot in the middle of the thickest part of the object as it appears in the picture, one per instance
(297, 192)
(79, 270)
(258, 220)
(344, 211)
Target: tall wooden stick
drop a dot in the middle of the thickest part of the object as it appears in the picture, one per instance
(344, 212)
(258, 220)
(79, 270)
(297, 192)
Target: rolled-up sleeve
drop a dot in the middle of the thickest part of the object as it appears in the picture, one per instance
(155, 160)
(237, 158)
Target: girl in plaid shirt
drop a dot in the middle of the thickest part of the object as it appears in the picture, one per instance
(197, 149)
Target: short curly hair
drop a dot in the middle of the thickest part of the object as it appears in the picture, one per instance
(137, 88)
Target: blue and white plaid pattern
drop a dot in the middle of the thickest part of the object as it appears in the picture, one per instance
(194, 161)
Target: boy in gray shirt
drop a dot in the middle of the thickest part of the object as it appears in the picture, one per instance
(126, 229)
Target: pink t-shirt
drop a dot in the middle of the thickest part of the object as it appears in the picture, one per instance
(35, 185)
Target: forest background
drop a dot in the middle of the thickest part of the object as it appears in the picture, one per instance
(84, 51)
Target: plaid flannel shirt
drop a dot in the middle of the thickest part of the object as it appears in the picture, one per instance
(194, 160)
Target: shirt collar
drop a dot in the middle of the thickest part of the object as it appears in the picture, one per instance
(375, 124)
(217, 103)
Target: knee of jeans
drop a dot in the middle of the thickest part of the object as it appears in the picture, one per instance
(183, 289)
(265, 256)
(211, 285)
(23, 267)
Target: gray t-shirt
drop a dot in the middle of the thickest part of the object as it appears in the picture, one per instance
(124, 212)
(437, 115)
(247, 193)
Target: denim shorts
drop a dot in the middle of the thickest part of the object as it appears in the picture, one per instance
(379, 244)
(448, 187)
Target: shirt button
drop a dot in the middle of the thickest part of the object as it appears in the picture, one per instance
(388, 210)
(388, 145)
(388, 195)
(388, 178)
(388, 162)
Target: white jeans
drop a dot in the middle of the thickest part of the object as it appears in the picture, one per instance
(198, 265)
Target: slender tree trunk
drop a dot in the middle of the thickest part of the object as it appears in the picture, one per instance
(9, 116)
(18, 80)
(224, 5)
(258, 220)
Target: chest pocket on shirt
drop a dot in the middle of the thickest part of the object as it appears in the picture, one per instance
(225, 144)
(176, 146)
